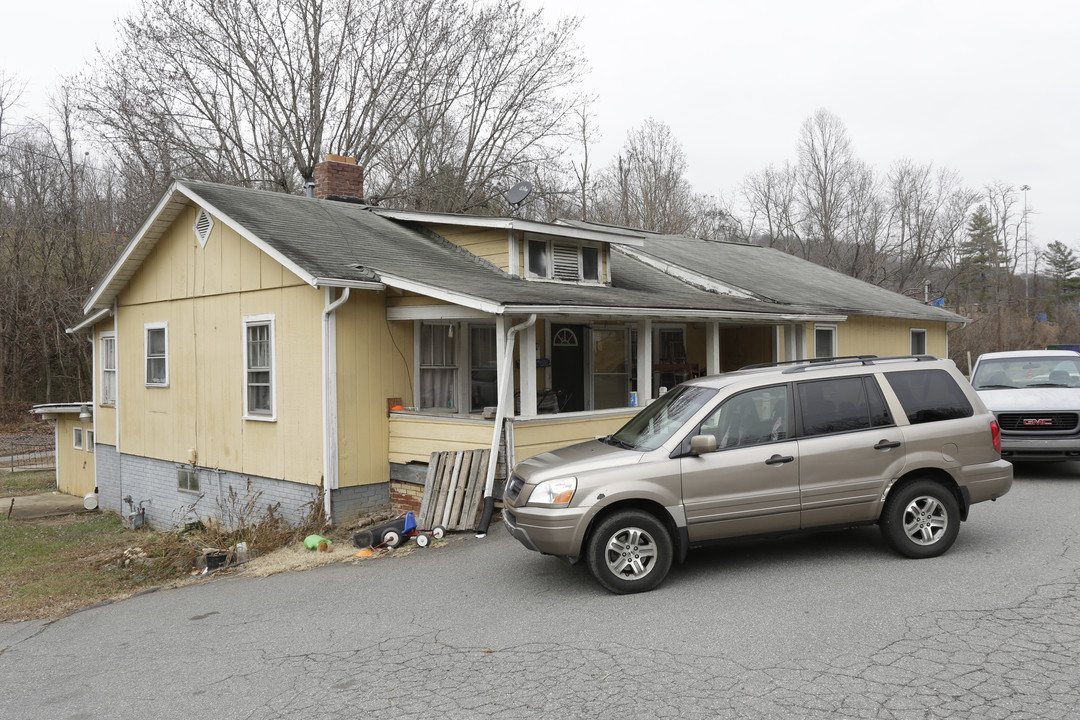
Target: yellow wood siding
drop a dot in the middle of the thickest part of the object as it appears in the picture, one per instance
(203, 295)
(885, 336)
(104, 415)
(491, 244)
(74, 467)
(374, 362)
(538, 436)
(413, 439)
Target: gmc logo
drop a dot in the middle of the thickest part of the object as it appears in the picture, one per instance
(1038, 421)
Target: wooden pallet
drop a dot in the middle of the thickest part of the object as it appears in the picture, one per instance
(454, 490)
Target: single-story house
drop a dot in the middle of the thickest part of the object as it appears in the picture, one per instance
(292, 346)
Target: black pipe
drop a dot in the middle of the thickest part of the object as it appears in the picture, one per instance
(485, 519)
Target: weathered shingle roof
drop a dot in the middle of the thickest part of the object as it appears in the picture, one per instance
(337, 243)
(786, 279)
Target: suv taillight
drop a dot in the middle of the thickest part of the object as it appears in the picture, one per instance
(995, 433)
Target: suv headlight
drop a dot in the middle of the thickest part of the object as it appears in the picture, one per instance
(554, 493)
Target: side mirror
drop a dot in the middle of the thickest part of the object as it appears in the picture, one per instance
(702, 444)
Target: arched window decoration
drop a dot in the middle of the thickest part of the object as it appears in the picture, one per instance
(565, 338)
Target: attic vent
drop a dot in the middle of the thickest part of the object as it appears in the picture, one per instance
(566, 262)
(203, 225)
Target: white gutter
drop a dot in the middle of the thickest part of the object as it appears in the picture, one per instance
(329, 398)
(506, 397)
(611, 311)
(90, 321)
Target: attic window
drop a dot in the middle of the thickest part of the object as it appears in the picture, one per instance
(203, 225)
(557, 261)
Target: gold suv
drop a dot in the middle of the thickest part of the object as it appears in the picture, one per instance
(903, 442)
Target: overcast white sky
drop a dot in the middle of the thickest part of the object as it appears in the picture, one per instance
(988, 88)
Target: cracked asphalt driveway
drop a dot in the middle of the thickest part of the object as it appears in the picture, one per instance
(825, 625)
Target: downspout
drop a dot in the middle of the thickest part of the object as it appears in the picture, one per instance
(505, 396)
(329, 400)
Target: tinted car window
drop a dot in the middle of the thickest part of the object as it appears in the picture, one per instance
(753, 417)
(841, 405)
(929, 395)
(652, 427)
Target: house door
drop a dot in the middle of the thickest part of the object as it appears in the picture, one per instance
(568, 366)
(611, 368)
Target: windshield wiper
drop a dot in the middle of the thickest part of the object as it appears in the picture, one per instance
(610, 440)
(996, 387)
(1048, 385)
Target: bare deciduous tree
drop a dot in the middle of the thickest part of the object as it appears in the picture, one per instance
(439, 101)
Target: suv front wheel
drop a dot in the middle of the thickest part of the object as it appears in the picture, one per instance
(630, 551)
(921, 519)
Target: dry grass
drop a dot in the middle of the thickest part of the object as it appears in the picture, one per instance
(27, 483)
(50, 568)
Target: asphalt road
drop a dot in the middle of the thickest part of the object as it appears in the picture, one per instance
(815, 626)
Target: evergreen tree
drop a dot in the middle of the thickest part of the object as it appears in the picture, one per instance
(1063, 264)
(982, 258)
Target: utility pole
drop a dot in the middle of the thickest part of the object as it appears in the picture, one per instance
(1025, 188)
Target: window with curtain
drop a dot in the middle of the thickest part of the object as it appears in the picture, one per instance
(157, 354)
(259, 367)
(108, 369)
(438, 366)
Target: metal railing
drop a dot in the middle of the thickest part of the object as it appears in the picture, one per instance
(25, 457)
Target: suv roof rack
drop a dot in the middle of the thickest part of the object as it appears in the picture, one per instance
(864, 360)
(805, 361)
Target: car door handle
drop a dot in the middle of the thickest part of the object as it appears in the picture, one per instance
(887, 445)
(779, 459)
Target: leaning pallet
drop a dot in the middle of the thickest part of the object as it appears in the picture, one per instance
(454, 489)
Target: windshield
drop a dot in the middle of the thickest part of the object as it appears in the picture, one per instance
(655, 425)
(1026, 372)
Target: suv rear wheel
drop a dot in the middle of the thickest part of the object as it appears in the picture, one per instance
(630, 551)
(921, 519)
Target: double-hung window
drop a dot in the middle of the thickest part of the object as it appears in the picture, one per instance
(825, 341)
(259, 367)
(108, 369)
(157, 354)
(438, 366)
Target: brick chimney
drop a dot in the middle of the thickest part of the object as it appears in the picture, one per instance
(339, 178)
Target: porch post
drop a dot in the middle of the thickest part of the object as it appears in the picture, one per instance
(795, 342)
(527, 383)
(502, 323)
(712, 348)
(643, 381)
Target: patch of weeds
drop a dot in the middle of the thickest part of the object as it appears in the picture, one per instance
(27, 483)
(51, 568)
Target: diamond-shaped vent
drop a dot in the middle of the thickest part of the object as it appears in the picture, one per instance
(203, 225)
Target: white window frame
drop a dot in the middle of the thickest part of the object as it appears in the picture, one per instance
(77, 438)
(458, 383)
(106, 371)
(147, 327)
(193, 479)
(833, 351)
(911, 344)
(255, 321)
(89, 434)
(529, 272)
(549, 253)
